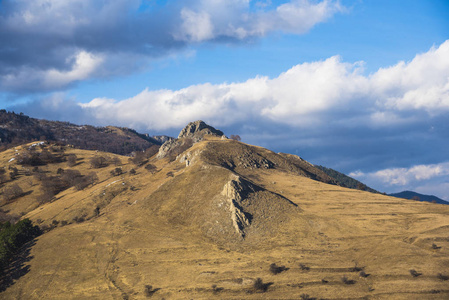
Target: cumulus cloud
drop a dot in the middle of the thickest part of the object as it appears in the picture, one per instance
(79, 39)
(318, 93)
(209, 20)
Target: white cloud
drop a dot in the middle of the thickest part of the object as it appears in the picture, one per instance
(318, 93)
(82, 66)
(420, 178)
(235, 20)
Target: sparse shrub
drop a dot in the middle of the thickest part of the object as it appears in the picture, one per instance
(346, 280)
(55, 222)
(116, 161)
(260, 286)
(415, 273)
(149, 291)
(435, 247)
(442, 277)
(60, 171)
(64, 223)
(216, 289)
(235, 137)
(71, 159)
(435, 291)
(97, 211)
(324, 281)
(304, 267)
(274, 269)
(138, 159)
(170, 174)
(132, 172)
(306, 297)
(12, 192)
(151, 168)
(363, 274)
(97, 162)
(356, 269)
(117, 172)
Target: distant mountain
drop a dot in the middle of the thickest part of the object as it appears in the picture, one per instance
(418, 197)
(345, 180)
(17, 129)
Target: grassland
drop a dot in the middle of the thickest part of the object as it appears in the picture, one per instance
(169, 234)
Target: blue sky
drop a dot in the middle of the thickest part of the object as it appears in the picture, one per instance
(358, 86)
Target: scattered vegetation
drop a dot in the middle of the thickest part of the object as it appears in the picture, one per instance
(415, 273)
(216, 289)
(260, 286)
(306, 297)
(435, 247)
(442, 277)
(149, 291)
(12, 192)
(346, 280)
(304, 267)
(151, 168)
(99, 161)
(275, 269)
(363, 274)
(235, 137)
(18, 129)
(117, 172)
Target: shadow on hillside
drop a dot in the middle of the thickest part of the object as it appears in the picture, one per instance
(17, 267)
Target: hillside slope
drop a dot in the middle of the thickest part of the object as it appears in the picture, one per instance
(209, 218)
(17, 129)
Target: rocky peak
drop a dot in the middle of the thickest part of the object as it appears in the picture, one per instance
(198, 128)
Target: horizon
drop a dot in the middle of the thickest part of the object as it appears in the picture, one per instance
(361, 87)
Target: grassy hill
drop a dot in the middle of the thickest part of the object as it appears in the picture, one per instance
(220, 219)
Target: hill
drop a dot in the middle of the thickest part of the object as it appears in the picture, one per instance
(17, 129)
(419, 197)
(345, 180)
(208, 217)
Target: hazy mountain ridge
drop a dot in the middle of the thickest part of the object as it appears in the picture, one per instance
(17, 129)
(418, 197)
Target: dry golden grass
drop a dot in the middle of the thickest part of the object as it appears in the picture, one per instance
(170, 233)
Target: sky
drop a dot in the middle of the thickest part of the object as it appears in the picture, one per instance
(359, 86)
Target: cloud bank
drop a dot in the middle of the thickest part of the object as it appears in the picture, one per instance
(308, 94)
(48, 45)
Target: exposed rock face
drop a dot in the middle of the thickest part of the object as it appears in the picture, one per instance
(198, 129)
(235, 191)
(192, 133)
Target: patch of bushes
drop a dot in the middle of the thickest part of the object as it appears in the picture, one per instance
(304, 267)
(275, 269)
(14, 236)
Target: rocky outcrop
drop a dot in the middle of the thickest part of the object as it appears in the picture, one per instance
(235, 192)
(198, 129)
(192, 133)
